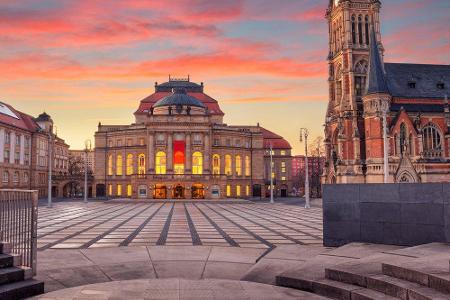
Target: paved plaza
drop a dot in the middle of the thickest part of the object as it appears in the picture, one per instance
(76, 225)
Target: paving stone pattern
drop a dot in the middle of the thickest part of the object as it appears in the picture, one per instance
(75, 225)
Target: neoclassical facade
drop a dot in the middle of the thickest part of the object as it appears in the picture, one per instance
(362, 88)
(179, 148)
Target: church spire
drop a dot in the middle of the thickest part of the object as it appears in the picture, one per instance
(377, 80)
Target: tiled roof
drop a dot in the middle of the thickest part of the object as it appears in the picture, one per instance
(425, 77)
(277, 141)
(24, 121)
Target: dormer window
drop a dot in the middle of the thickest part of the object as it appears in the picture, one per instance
(412, 85)
(440, 85)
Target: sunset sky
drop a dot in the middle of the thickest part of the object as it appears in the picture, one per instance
(263, 60)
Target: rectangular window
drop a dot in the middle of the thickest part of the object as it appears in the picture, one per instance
(282, 152)
(110, 189)
(283, 178)
(238, 191)
(129, 190)
(129, 142)
(119, 190)
(17, 157)
(247, 190)
(7, 138)
(360, 83)
(228, 190)
(216, 142)
(119, 143)
(6, 154)
(17, 140)
(228, 142)
(141, 141)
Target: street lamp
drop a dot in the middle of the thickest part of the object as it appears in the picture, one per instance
(271, 174)
(304, 132)
(50, 164)
(87, 148)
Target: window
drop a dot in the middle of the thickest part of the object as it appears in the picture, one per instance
(360, 31)
(367, 30)
(160, 139)
(130, 169)
(282, 152)
(119, 143)
(432, 141)
(283, 178)
(283, 167)
(25, 177)
(228, 190)
(129, 190)
(216, 164)
(119, 165)
(7, 138)
(17, 140)
(440, 86)
(360, 83)
(110, 165)
(238, 143)
(142, 191)
(5, 177)
(238, 191)
(142, 141)
(16, 177)
(197, 139)
(129, 142)
(110, 143)
(141, 164)
(402, 137)
(216, 142)
(27, 142)
(412, 85)
(353, 29)
(161, 162)
(238, 165)
(338, 85)
(228, 165)
(6, 154)
(197, 163)
(228, 142)
(248, 167)
(17, 157)
(110, 189)
(119, 190)
(247, 190)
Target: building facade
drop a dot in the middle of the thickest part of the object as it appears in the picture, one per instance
(362, 88)
(84, 157)
(179, 147)
(24, 150)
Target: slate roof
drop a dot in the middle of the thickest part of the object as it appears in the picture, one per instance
(377, 81)
(179, 97)
(426, 108)
(425, 77)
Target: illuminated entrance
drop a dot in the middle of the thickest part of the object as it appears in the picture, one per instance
(178, 192)
(198, 191)
(160, 191)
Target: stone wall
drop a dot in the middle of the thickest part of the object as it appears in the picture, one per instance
(396, 214)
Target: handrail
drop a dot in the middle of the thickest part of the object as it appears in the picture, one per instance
(18, 223)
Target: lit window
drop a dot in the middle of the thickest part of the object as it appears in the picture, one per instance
(247, 190)
(283, 178)
(110, 165)
(119, 190)
(160, 164)
(238, 190)
(247, 166)
(238, 165)
(110, 189)
(273, 174)
(130, 169)
(228, 165)
(216, 164)
(228, 190)
(282, 152)
(119, 165)
(197, 163)
(129, 190)
(141, 164)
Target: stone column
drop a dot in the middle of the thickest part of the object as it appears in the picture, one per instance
(151, 152)
(188, 157)
(170, 152)
(2, 145)
(207, 154)
(22, 149)
(12, 147)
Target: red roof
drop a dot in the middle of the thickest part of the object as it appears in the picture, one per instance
(24, 121)
(148, 102)
(277, 141)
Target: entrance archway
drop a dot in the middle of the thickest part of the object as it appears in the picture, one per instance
(198, 191)
(160, 191)
(178, 192)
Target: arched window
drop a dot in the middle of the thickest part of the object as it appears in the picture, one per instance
(161, 163)
(367, 30)
(238, 191)
(353, 29)
(141, 164)
(248, 167)
(197, 163)
(119, 165)
(130, 169)
(338, 84)
(216, 164)
(5, 176)
(129, 190)
(360, 78)
(119, 190)
(228, 190)
(16, 177)
(238, 165)
(432, 141)
(228, 165)
(402, 137)
(360, 31)
(110, 165)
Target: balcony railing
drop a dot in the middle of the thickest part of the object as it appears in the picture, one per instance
(432, 153)
(18, 223)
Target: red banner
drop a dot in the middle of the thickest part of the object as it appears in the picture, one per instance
(178, 152)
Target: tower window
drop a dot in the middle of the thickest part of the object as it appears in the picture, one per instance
(412, 85)
(353, 30)
(440, 85)
(367, 29)
(360, 30)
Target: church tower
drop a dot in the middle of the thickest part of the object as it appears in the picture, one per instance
(350, 23)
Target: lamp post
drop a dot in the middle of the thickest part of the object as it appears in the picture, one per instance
(305, 132)
(87, 148)
(271, 174)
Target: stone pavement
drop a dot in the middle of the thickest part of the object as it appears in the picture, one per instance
(178, 289)
(75, 225)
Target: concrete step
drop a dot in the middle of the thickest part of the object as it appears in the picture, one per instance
(5, 247)
(12, 274)
(6, 261)
(21, 289)
(430, 272)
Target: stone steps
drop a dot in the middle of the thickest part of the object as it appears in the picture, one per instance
(382, 274)
(15, 281)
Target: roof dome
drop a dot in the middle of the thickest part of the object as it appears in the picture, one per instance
(179, 97)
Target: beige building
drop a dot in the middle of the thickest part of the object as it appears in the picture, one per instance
(179, 147)
(24, 150)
